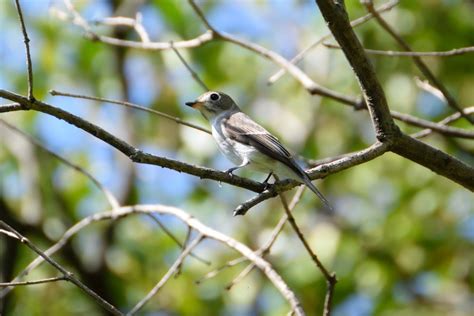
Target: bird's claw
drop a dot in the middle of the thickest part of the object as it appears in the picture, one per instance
(230, 172)
(267, 186)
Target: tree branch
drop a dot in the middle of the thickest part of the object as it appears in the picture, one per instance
(175, 239)
(338, 22)
(447, 120)
(436, 160)
(438, 127)
(78, 20)
(265, 249)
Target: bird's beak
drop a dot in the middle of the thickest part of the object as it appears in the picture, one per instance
(194, 104)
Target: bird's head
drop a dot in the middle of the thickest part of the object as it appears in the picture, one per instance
(212, 103)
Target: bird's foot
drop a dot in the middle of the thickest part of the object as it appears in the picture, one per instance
(267, 186)
(265, 182)
(230, 171)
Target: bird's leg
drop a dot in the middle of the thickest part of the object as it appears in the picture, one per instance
(265, 182)
(231, 170)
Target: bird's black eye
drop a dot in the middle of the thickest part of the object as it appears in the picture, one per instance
(214, 96)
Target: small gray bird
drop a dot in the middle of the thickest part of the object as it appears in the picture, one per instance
(245, 142)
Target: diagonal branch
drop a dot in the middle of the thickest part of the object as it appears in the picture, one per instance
(191, 71)
(338, 22)
(440, 127)
(436, 160)
(175, 239)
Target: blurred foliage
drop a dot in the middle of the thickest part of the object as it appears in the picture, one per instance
(401, 242)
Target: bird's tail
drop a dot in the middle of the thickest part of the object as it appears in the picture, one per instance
(307, 181)
(313, 188)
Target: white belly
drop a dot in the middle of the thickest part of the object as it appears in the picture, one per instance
(235, 152)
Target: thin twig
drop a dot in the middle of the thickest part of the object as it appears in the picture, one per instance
(426, 86)
(78, 20)
(331, 278)
(140, 29)
(329, 295)
(265, 249)
(130, 105)
(240, 276)
(215, 272)
(191, 71)
(33, 282)
(447, 120)
(26, 40)
(383, 8)
(68, 275)
(175, 239)
(189, 231)
(300, 235)
(110, 197)
(417, 60)
(135, 23)
(391, 53)
(167, 276)
(438, 127)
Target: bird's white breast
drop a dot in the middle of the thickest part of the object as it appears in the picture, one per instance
(233, 151)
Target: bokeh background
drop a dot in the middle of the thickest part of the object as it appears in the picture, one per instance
(402, 242)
